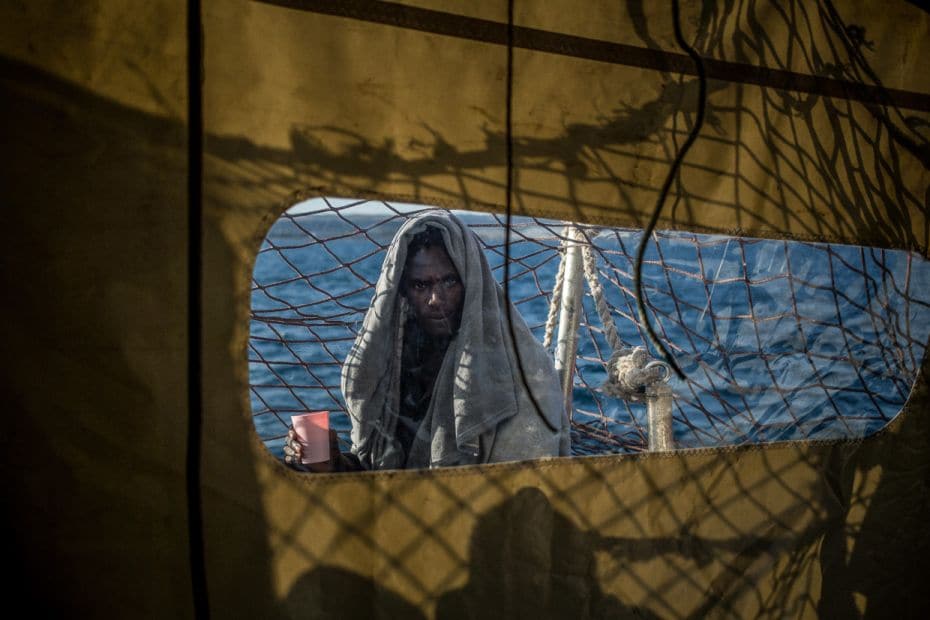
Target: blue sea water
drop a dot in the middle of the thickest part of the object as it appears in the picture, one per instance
(778, 340)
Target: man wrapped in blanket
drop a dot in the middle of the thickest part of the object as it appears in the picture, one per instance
(434, 377)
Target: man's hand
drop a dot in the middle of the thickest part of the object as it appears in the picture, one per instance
(293, 453)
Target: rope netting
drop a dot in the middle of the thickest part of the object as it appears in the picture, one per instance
(778, 340)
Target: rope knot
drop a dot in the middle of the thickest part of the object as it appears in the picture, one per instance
(630, 372)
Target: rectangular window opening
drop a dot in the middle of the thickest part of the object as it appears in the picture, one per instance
(779, 340)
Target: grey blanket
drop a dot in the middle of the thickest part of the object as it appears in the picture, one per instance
(480, 410)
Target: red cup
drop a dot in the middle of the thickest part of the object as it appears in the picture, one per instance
(313, 435)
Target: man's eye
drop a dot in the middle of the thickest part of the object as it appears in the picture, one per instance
(450, 281)
(420, 286)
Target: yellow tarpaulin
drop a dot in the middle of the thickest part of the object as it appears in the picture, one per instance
(815, 129)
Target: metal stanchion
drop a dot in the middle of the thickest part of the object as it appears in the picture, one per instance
(659, 413)
(570, 314)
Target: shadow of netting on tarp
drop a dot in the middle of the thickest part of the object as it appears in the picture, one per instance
(692, 537)
(787, 530)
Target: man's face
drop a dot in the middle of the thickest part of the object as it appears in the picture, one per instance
(434, 290)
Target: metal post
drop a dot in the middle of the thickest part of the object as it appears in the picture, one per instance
(570, 314)
(659, 412)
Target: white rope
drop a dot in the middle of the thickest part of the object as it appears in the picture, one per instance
(556, 300)
(600, 301)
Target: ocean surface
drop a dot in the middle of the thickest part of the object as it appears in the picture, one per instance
(778, 340)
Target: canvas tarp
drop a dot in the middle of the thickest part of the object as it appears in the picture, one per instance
(307, 98)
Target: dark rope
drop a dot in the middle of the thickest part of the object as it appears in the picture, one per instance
(663, 194)
(509, 204)
(194, 309)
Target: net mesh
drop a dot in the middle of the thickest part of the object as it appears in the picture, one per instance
(778, 340)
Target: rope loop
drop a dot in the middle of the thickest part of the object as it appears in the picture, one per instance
(630, 373)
